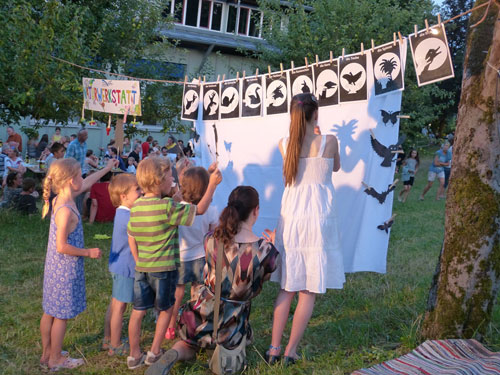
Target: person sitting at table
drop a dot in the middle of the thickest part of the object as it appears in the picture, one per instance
(26, 203)
(91, 161)
(101, 208)
(12, 191)
(13, 163)
(113, 153)
(31, 147)
(42, 145)
(57, 136)
(56, 152)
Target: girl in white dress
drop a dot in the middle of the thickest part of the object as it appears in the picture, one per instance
(307, 235)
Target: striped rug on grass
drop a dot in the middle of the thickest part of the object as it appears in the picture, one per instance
(460, 357)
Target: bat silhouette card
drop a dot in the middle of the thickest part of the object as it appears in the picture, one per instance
(190, 100)
(301, 81)
(353, 85)
(388, 71)
(276, 99)
(326, 77)
(379, 196)
(251, 101)
(230, 99)
(431, 55)
(211, 101)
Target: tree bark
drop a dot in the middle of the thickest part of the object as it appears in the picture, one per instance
(467, 278)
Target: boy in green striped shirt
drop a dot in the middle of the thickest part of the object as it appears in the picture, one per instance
(154, 243)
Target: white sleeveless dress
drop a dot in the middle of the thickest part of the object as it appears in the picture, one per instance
(307, 236)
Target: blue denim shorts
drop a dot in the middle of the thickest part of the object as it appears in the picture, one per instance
(123, 288)
(191, 271)
(155, 289)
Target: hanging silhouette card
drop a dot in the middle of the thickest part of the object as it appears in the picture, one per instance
(251, 101)
(326, 76)
(276, 99)
(388, 71)
(211, 101)
(353, 86)
(230, 99)
(431, 55)
(190, 101)
(301, 81)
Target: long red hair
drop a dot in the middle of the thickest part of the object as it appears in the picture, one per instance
(301, 112)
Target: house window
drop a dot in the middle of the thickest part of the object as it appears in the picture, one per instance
(216, 16)
(232, 14)
(191, 18)
(206, 7)
(243, 21)
(255, 23)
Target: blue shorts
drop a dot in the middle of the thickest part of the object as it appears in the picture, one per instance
(191, 271)
(155, 289)
(123, 288)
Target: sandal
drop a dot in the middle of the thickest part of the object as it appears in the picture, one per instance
(289, 361)
(120, 350)
(272, 359)
(106, 343)
(69, 363)
(45, 365)
(133, 363)
(164, 364)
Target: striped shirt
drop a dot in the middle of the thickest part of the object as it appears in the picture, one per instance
(154, 225)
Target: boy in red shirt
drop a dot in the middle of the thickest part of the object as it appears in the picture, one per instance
(101, 208)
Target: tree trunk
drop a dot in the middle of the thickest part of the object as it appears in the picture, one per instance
(467, 278)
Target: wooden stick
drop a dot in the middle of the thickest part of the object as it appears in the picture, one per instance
(256, 72)
(394, 183)
(439, 19)
(237, 75)
(292, 65)
(393, 39)
(403, 116)
(281, 68)
(269, 70)
(391, 218)
(362, 49)
(365, 185)
(307, 63)
(224, 77)
(203, 79)
(244, 74)
(398, 152)
(343, 53)
(400, 37)
(426, 25)
(317, 60)
(185, 79)
(331, 57)
(218, 77)
(373, 46)
(373, 134)
(415, 27)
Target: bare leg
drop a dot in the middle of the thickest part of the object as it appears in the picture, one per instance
(440, 191)
(301, 317)
(406, 192)
(161, 329)
(280, 317)
(134, 332)
(427, 188)
(45, 329)
(116, 322)
(107, 322)
(56, 340)
(179, 294)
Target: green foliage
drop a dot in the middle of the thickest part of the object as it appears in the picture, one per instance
(100, 34)
(333, 25)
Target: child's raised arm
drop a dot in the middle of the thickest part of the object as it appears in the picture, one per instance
(66, 222)
(94, 177)
(215, 179)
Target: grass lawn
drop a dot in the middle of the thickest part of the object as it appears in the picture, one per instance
(374, 318)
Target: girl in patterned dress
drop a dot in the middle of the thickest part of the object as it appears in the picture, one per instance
(248, 262)
(64, 280)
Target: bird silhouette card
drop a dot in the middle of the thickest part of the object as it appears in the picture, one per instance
(301, 81)
(388, 153)
(326, 77)
(431, 55)
(388, 71)
(251, 101)
(276, 99)
(353, 77)
(211, 101)
(190, 100)
(230, 99)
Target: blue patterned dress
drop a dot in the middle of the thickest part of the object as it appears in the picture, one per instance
(64, 278)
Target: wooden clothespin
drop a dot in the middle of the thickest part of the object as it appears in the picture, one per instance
(292, 65)
(307, 63)
(281, 68)
(199, 79)
(203, 79)
(244, 73)
(426, 25)
(331, 57)
(393, 39)
(362, 49)
(218, 77)
(317, 60)
(415, 27)
(223, 77)
(185, 79)
(373, 46)
(439, 20)
(269, 71)
(400, 37)
(256, 72)
(394, 183)
(343, 53)
(237, 75)
(365, 184)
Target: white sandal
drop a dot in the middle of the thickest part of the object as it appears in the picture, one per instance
(69, 363)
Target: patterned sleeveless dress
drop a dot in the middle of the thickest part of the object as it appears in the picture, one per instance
(64, 278)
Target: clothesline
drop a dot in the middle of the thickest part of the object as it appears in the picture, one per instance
(182, 82)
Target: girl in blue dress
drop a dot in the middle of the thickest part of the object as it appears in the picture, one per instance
(64, 280)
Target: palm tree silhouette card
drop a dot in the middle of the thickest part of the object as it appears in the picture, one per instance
(388, 72)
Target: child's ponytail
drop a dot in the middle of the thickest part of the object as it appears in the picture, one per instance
(240, 204)
(47, 190)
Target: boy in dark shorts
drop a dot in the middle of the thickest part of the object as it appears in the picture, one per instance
(154, 243)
